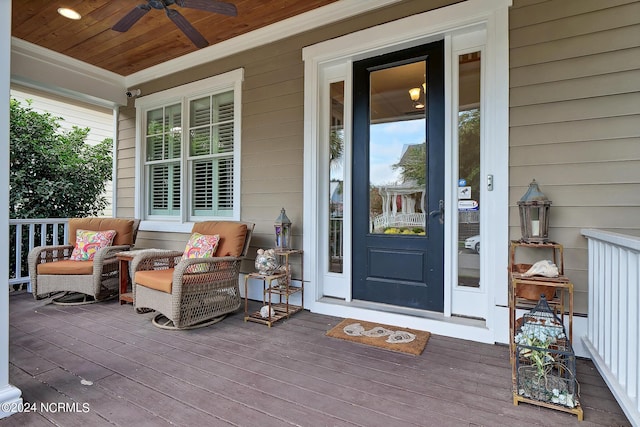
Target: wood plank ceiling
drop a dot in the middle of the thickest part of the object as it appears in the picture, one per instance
(154, 39)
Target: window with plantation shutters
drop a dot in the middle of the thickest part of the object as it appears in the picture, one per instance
(163, 141)
(191, 150)
(211, 155)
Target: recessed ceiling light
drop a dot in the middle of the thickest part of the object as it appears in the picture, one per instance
(69, 13)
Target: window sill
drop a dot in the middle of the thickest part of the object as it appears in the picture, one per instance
(166, 226)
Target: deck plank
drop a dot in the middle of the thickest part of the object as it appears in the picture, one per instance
(246, 374)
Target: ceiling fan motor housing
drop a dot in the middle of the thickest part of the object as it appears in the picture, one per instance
(160, 4)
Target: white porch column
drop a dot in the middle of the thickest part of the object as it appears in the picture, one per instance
(394, 203)
(385, 200)
(10, 396)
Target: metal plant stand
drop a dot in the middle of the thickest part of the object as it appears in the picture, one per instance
(525, 293)
(277, 284)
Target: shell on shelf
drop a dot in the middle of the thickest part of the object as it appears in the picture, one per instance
(544, 268)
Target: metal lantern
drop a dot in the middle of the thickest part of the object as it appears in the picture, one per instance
(283, 231)
(534, 215)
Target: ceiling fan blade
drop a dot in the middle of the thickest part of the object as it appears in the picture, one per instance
(187, 28)
(210, 6)
(131, 18)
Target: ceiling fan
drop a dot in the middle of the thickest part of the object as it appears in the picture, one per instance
(207, 5)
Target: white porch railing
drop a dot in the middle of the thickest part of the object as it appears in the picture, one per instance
(613, 335)
(398, 220)
(336, 239)
(469, 217)
(25, 234)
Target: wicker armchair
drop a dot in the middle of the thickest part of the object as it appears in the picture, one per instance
(52, 271)
(183, 299)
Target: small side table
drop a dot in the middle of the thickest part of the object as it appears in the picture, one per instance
(124, 259)
(275, 284)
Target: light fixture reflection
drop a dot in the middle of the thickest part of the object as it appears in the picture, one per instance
(414, 93)
(69, 13)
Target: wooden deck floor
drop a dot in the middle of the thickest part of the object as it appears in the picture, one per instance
(246, 374)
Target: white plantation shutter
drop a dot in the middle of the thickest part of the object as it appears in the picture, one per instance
(164, 192)
(224, 134)
(200, 141)
(200, 112)
(225, 185)
(203, 177)
(199, 127)
(224, 128)
(175, 180)
(159, 187)
(154, 147)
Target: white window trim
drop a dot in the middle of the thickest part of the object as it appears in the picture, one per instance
(231, 80)
(393, 36)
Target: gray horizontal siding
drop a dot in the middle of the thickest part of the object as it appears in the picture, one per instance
(575, 119)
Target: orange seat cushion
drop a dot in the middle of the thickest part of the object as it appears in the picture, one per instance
(123, 228)
(232, 235)
(66, 267)
(160, 280)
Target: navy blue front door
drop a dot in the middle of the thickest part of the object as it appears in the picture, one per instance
(398, 178)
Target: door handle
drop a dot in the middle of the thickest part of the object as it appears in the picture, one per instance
(439, 212)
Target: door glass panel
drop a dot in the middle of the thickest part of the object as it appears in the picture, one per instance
(469, 170)
(397, 150)
(336, 176)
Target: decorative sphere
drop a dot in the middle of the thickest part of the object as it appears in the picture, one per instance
(266, 262)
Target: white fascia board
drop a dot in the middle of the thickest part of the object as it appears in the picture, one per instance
(36, 66)
(315, 18)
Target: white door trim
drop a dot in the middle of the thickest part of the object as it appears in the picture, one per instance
(465, 300)
(397, 35)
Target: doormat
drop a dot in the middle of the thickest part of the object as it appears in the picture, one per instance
(392, 338)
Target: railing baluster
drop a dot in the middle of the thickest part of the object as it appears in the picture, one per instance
(43, 234)
(66, 233)
(32, 230)
(18, 250)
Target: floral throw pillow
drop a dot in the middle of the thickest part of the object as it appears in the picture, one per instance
(200, 246)
(88, 242)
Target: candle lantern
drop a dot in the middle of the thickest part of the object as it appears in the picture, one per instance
(534, 215)
(283, 231)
